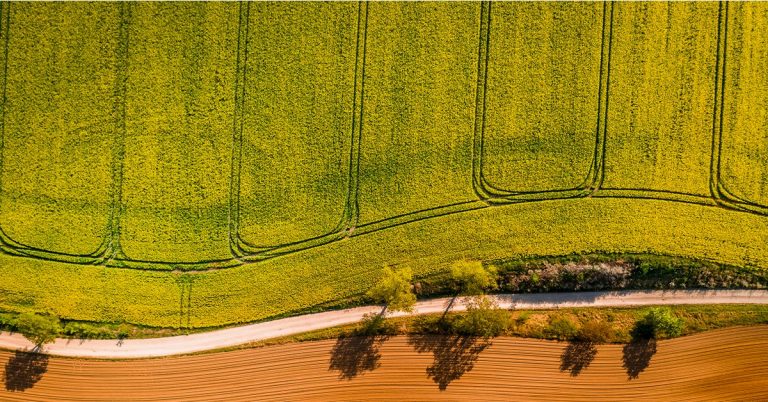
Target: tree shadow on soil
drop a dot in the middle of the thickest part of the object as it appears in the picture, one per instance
(358, 352)
(638, 352)
(577, 356)
(454, 355)
(24, 369)
(354, 355)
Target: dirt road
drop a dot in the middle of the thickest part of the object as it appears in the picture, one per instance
(142, 348)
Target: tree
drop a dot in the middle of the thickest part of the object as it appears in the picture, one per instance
(394, 290)
(483, 318)
(472, 278)
(659, 322)
(38, 329)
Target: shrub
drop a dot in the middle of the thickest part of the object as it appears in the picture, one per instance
(374, 325)
(659, 322)
(87, 331)
(522, 318)
(562, 328)
(429, 324)
(7, 321)
(595, 331)
(483, 318)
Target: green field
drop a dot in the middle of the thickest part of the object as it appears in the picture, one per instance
(193, 165)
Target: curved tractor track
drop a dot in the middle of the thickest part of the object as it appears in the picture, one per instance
(720, 365)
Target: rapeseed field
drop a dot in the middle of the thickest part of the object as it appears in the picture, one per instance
(201, 164)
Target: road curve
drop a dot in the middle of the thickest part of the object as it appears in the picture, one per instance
(223, 338)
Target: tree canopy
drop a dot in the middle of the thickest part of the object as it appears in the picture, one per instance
(38, 329)
(472, 278)
(394, 289)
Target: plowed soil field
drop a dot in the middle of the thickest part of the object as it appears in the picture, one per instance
(726, 364)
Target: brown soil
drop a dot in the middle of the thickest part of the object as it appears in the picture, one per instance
(729, 364)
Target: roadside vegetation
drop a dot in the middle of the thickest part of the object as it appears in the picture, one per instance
(639, 328)
(598, 325)
(88, 330)
(602, 325)
(399, 288)
(606, 271)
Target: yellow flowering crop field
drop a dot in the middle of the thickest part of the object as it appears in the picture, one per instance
(177, 116)
(543, 96)
(295, 123)
(202, 164)
(417, 156)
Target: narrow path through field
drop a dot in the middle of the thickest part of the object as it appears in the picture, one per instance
(142, 348)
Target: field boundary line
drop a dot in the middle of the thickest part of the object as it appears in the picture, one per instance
(437, 212)
(230, 337)
(203, 266)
